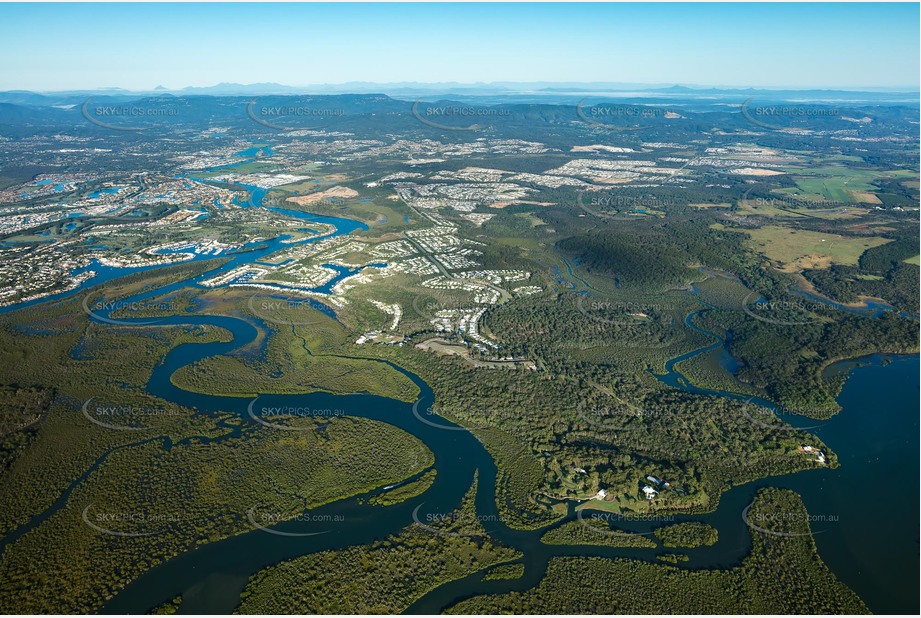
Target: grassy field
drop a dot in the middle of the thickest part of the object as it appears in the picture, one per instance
(841, 184)
(799, 249)
(782, 206)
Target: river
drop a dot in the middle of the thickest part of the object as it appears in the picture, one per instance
(855, 539)
(869, 537)
(859, 511)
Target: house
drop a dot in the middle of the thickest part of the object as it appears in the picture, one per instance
(820, 456)
(653, 480)
(650, 492)
(601, 494)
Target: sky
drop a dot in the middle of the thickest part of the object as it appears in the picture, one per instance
(140, 46)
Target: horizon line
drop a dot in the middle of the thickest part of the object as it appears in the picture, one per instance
(508, 85)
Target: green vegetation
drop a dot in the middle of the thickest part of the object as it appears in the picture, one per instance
(647, 256)
(405, 492)
(168, 608)
(517, 482)
(781, 575)
(592, 531)
(706, 371)
(567, 405)
(786, 360)
(382, 578)
(543, 432)
(687, 534)
(55, 348)
(21, 410)
(298, 351)
(332, 374)
(505, 571)
(841, 184)
(198, 491)
(797, 248)
(886, 272)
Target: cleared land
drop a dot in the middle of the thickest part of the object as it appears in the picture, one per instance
(796, 250)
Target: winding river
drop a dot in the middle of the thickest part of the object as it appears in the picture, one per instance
(855, 539)
(868, 537)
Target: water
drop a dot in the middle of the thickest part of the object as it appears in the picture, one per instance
(874, 437)
(107, 190)
(253, 152)
(872, 545)
(246, 255)
(873, 448)
(343, 272)
(871, 307)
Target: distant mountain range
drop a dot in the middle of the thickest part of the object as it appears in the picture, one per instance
(508, 92)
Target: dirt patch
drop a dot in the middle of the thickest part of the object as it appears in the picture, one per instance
(341, 193)
(601, 148)
(864, 197)
(610, 181)
(814, 262)
(755, 171)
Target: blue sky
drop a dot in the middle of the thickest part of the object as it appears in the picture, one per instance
(140, 46)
